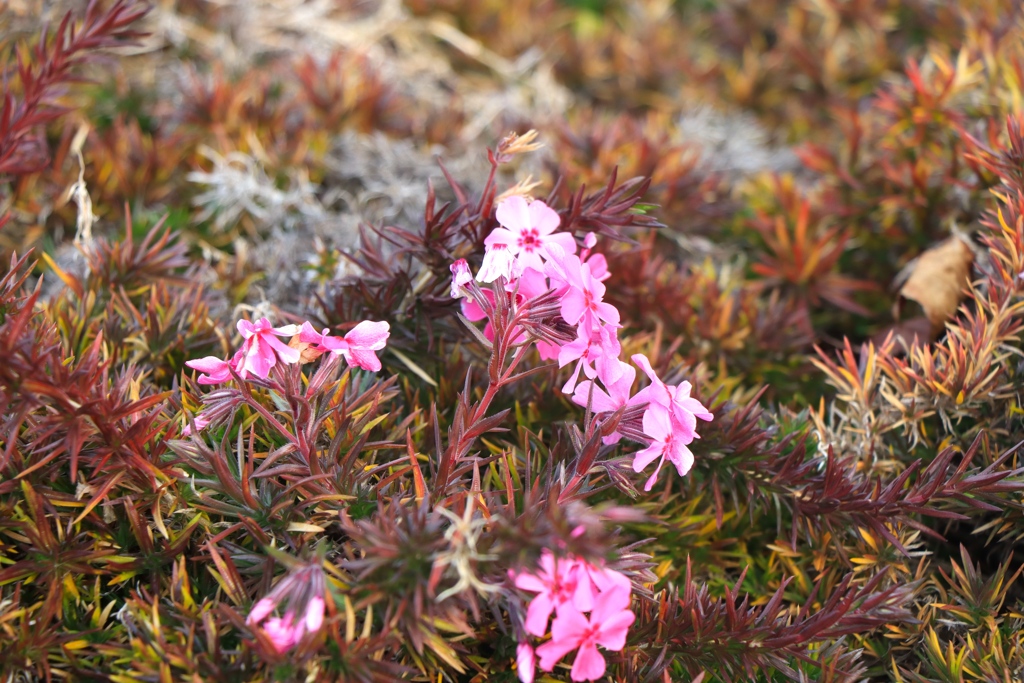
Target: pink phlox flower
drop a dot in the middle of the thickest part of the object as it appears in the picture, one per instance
(200, 422)
(358, 346)
(598, 267)
(498, 262)
(616, 396)
(526, 666)
(667, 443)
(556, 585)
(584, 297)
(547, 350)
(528, 230)
(596, 351)
(314, 617)
(262, 349)
(261, 610)
(216, 371)
(461, 276)
(530, 284)
(284, 632)
(598, 579)
(675, 400)
(571, 630)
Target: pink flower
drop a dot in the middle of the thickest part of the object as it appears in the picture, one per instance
(261, 610)
(499, 261)
(283, 632)
(262, 348)
(526, 666)
(675, 400)
(528, 230)
(606, 626)
(359, 346)
(666, 443)
(597, 352)
(583, 298)
(314, 614)
(607, 402)
(556, 585)
(200, 422)
(461, 276)
(530, 284)
(216, 370)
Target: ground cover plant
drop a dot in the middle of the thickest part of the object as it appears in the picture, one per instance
(475, 341)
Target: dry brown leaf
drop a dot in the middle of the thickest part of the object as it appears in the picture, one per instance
(308, 353)
(937, 281)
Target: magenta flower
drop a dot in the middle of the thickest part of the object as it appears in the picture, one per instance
(359, 346)
(556, 585)
(584, 295)
(262, 349)
(666, 443)
(571, 630)
(528, 230)
(461, 276)
(596, 351)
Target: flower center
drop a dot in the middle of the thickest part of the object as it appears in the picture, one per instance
(529, 240)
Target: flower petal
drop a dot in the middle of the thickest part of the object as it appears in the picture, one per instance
(514, 213)
(370, 336)
(543, 217)
(589, 664)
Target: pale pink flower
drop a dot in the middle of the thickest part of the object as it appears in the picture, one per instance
(461, 276)
(526, 666)
(571, 630)
(314, 614)
(666, 443)
(596, 351)
(262, 349)
(498, 262)
(528, 231)
(556, 585)
(358, 346)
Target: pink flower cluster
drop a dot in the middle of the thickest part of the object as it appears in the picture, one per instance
(531, 259)
(286, 632)
(301, 594)
(570, 587)
(261, 349)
